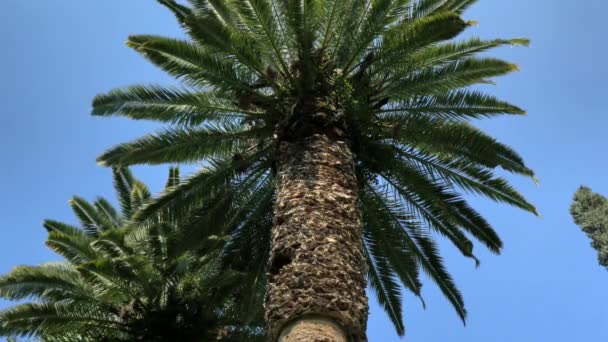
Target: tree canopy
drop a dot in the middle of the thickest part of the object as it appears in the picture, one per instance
(590, 212)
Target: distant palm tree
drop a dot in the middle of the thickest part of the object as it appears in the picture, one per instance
(351, 119)
(123, 282)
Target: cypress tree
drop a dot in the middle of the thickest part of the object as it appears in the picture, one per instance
(590, 212)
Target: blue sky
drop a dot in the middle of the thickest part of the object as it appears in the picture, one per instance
(546, 286)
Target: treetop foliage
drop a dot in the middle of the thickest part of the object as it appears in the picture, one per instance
(590, 212)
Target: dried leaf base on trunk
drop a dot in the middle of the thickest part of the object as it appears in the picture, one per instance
(317, 266)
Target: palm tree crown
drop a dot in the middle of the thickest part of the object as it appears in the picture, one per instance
(123, 282)
(382, 75)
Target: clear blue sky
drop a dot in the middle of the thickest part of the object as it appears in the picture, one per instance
(546, 286)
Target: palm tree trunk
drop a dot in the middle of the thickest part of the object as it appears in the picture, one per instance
(316, 283)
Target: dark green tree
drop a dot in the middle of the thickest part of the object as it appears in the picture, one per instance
(124, 282)
(350, 122)
(590, 212)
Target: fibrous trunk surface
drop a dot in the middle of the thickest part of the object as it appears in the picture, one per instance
(316, 265)
(312, 329)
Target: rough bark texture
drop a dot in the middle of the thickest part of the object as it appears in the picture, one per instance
(312, 329)
(317, 266)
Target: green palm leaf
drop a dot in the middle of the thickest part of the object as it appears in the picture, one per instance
(382, 280)
(167, 105)
(421, 246)
(123, 184)
(456, 105)
(175, 144)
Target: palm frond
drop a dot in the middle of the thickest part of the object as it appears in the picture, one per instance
(213, 26)
(76, 248)
(93, 221)
(190, 62)
(388, 246)
(430, 201)
(381, 14)
(348, 26)
(440, 80)
(108, 212)
(175, 145)
(403, 42)
(171, 105)
(248, 250)
(439, 54)
(427, 7)
(335, 11)
(223, 11)
(302, 19)
(123, 180)
(222, 212)
(203, 185)
(48, 282)
(52, 225)
(51, 319)
(458, 105)
(382, 281)
(259, 17)
(424, 185)
(454, 141)
(422, 247)
(139, 195)
(174, 177)
(458, 6)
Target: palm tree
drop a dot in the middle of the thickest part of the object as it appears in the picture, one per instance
(351, 121)
(123, 282)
